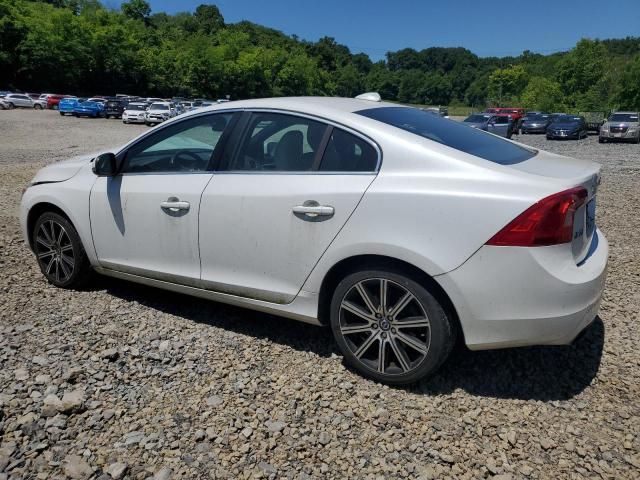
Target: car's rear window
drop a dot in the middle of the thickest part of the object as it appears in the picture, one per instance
(451, 133)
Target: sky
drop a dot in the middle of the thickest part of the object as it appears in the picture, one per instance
(487, 28)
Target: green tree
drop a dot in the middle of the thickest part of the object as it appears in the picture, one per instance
(543, 94)
(506, 84)
(628, 97)
(136, 9)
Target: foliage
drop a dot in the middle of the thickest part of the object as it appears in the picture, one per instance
(81, 47)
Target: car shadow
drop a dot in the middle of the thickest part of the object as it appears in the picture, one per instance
(527, 373)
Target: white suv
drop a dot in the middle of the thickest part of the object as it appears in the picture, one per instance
(159, 112)
(19, 100)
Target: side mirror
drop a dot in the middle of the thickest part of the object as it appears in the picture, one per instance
(106, 165)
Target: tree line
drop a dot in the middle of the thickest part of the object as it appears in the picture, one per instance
(81, 47)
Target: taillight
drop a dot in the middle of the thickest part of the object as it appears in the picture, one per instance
(548, 222)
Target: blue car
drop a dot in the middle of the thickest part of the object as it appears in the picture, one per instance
(89, 109)
(68, 105)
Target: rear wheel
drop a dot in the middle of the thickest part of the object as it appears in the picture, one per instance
(37, 106)
(389, 327)
(59, 251)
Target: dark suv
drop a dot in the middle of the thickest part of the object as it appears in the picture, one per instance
(114, 108)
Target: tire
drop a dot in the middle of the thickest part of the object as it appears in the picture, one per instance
(61, 114)
(37, 106)
(59, 252)
(11, 106)
(125, 122)
(601, 140)
(401, 363)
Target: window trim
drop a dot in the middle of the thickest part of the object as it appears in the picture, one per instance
(331, 124)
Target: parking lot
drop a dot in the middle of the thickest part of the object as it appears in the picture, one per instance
(176, 387)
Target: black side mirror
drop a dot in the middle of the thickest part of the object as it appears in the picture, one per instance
(106, 165)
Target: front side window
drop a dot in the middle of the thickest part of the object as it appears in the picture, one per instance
(451, 134)
(279, 142)
(186, 146)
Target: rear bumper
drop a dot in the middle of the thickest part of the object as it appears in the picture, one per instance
(512, 296)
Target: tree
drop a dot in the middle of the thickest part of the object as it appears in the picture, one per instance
(628, 97)
(581, 69)
(543, 94)
(208, 19)
(136, 9)
(506, 84)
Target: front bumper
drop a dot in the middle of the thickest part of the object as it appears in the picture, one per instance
(132, 119)
(155, 119)
(514, 296)
(531, 129)
(620, 137)
(557, 135)
(89, 113)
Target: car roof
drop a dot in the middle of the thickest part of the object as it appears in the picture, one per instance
(624, 113)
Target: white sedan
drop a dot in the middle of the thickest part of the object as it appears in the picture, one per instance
(399, 229)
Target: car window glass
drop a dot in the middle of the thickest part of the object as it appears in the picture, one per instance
(451, 134)
(348, 153)
(181, 147)
(279, 142)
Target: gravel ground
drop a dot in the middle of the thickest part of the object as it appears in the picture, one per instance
(123, 381)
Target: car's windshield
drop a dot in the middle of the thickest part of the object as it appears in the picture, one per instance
(135, 107)
(567, 119)
(623, 117)
(477, 118)
(451, 133)
(537, 118)
(158, 106)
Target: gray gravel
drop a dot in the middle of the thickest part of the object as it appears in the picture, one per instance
(123, 381)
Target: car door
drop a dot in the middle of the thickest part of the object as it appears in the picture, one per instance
(499, 126)
(144, 220)
(285, 191)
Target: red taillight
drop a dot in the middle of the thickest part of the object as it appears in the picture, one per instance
(548, 222)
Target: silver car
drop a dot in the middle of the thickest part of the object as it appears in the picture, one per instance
(621, 127)
(19, 100)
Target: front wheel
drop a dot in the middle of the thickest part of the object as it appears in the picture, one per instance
(59, 251)
(37, 106)
(389, 327)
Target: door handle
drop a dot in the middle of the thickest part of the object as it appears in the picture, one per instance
(174, 205)
(312, 209)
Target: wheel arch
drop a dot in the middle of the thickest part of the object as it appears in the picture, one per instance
(358, 262)
(38, 209)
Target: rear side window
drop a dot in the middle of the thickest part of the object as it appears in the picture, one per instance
(347, 153)
(451, 133)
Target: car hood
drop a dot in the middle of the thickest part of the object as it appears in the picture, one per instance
(64, 170)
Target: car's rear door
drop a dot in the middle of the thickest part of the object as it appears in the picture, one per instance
(283, 194)
(144, 221)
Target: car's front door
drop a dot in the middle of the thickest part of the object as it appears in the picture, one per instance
(499, 126)
(287, 190)
(145, 220)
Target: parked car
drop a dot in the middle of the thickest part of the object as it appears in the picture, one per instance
(135, 113)
(535, 123)
(114, 108)
(621, 126)
(159, 112)
(19, 100)
(567, 127)
(90, 108)
(69, 104)
(501, 125)
(406, 243)
(516, 114)
(53, 101)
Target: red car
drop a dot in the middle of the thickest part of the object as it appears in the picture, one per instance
(54, 100)
(516, 114)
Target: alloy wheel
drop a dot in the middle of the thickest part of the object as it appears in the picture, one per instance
(385, 326)
(55, 251)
